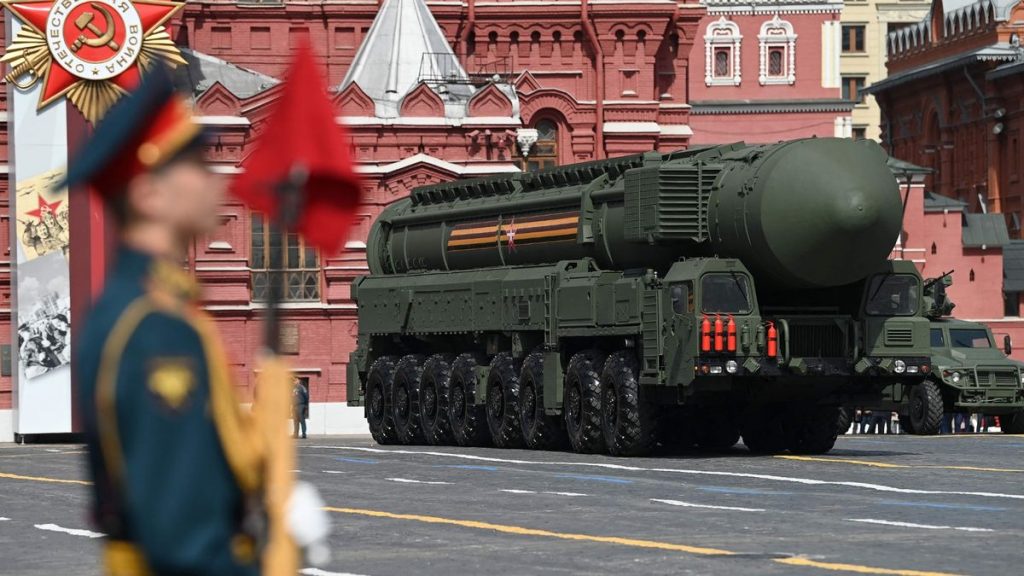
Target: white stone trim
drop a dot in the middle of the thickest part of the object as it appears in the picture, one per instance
(631, 127)
(430, 121)
(225, 169)
(438, 163)
(676, 130)
(722, 33)
(222, 120)
(778, 33)
(7, 425)
(831, 39)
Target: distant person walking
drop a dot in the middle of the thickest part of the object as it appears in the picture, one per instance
(300, 408)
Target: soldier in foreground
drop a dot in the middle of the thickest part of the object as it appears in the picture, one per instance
(178, 468)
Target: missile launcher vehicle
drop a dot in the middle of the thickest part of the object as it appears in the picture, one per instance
(679, 299)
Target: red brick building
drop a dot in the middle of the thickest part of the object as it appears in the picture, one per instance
(765, 71)
(473, 87)
(954, 102)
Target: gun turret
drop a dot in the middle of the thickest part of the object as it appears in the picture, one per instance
(937, 303)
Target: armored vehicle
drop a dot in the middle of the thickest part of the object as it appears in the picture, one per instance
(685, 298)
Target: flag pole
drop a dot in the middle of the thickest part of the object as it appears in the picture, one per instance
(281, 556)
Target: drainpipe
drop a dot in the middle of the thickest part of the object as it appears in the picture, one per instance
(588, 29)
(468, 28)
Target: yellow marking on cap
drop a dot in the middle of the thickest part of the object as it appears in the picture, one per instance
(43, 479)
(856, 568)
(890, 465)
(521, 531)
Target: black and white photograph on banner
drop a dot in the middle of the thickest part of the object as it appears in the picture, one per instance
(44, 311)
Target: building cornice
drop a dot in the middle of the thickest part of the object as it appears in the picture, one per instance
(713, 107)
(994, 53)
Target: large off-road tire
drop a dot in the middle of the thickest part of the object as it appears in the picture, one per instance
(582, 402)
(813, 430)
(1012, 423)
(628, 418)
(405, 401)
(379, 381)
(716, 431)
(468, 419)
(540, 431)
(503, 402)
(843, 421)
(437, 370)
(763, 432)
(925, 410)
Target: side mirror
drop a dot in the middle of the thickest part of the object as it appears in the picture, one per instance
(1007, 345)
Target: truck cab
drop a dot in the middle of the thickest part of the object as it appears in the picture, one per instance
(971, 374)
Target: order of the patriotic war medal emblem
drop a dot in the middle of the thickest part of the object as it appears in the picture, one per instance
(92, 51)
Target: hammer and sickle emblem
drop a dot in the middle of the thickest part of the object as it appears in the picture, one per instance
(103, 37)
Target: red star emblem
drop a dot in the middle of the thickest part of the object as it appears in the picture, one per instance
(97, 40)
(43, 204)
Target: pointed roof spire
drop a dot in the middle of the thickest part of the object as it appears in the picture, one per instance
(405, 45)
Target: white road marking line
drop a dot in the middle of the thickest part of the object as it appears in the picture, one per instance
(334, 472)
(514, 491)
(771, 477)
(72, 531)
(511, 491)
(925, 526)
(4, 519)
(566, 493)
(319, 572)
(708, 506)
(411, 481)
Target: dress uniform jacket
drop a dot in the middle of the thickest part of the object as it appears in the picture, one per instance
(175, 461)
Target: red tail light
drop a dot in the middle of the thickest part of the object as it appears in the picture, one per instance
(719, 333)
(705, 335)
(773, 340)
(730, 335)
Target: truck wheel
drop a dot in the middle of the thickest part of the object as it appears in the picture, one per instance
(628, 418)
(717, 431)
(843, 421)
(763, 432)
(926, 408)
(468, 420)
(437, 370)
(814, 430)
(503, 402)
(1012, 423)
(582, 406)
(406, 400)
(379, 382)
(540, 431)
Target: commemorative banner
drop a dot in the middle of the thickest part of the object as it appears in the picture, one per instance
(87, 53)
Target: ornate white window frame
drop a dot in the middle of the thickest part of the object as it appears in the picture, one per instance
(722, 33)
(778, 33)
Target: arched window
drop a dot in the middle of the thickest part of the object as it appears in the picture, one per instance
(778, 52)
(544, 152)
(300, 265)
(722, 53)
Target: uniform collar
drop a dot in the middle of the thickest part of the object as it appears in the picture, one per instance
(157, 274)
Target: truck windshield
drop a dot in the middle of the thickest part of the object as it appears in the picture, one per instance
(969, 338)
(893, 295)
(725, 293)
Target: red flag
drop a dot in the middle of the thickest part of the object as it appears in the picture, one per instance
(302, 134)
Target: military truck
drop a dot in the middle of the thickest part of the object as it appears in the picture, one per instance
(686, 298)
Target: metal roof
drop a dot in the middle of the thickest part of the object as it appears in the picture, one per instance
(203, 70)
(985, 231)
(1013, 266)
(938, 203)
(1001, 52)
(708, 107)
(406, 46)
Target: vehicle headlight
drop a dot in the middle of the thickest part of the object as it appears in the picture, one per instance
(1022, 377)
(731, 366)
(955, 377)
(900, 367)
